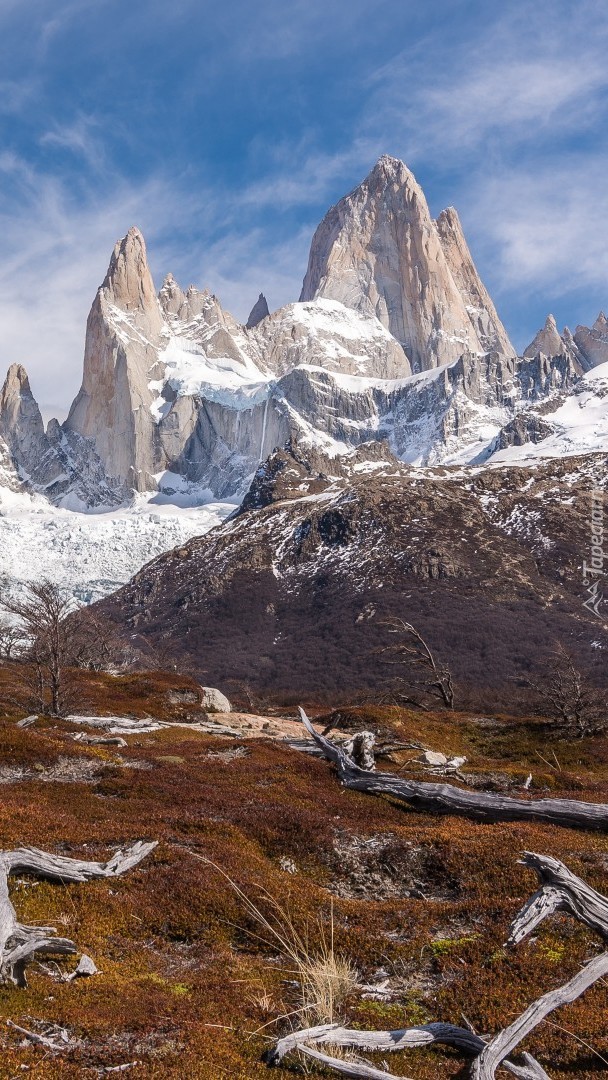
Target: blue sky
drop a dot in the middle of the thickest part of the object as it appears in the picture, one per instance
(225, 130)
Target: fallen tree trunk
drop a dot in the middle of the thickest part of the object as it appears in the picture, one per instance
(389, 1042)
(560, 890)
(503, 1044)
(383, 1041)
(447, 799)
(18, 942)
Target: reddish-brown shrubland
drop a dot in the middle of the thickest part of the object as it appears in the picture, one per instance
(185, 980)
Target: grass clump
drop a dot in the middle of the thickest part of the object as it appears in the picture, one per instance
(325, 979)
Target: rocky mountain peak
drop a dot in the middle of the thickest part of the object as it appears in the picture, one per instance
(379, 251)
(593, 342)
(19, 412)
(258, 312)
(171, 296)
(128, 283)
(16, 381)
(548, 340)
(390, 170)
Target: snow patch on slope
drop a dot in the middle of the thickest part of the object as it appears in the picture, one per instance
(580, 424)
(91, 555)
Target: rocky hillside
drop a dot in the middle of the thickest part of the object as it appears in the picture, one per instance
(290, 595)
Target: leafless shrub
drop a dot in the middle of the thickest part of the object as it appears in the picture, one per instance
(421, 679)
(565, 694)
(49, 642)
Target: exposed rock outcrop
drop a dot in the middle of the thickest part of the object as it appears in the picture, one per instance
(124, 334)
(480, 307)
(21, 424)
(59, 464)
(379, 251)
(258, 312)
(593, 343)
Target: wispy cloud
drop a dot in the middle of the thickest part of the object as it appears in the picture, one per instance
(57, 244)
(532, 74)
(548, 226)
(300, 174)
(79, 137)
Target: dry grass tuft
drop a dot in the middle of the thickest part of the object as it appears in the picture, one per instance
(326, 979)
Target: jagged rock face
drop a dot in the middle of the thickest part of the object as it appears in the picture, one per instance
(56, 463)
(21, 425)
(327, 334)
(124, 333)
(180, 397)
(593, 343)
(258, 312)
(527, 427)
(379, 251)
(480, 307)
(291, 595)
(548, 340)
(550, 343)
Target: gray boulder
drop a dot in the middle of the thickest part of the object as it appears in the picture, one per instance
(213, 701)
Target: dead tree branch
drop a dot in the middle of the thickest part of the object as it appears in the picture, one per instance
(447, 799)
(559, 891)
(18, 942)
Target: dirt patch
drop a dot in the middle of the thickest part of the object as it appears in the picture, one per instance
(386, 867)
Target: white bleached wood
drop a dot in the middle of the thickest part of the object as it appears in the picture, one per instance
(18, 942)
(447, 799)
(503, 1044)
(355, 1070)
(560, 890)
(380, 1041)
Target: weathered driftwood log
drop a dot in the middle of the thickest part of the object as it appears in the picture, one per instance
(354, 1069)
(19, 943)
(388, 1042)
(560, 890)
(360, 748)
(503, 1044)
(34, 1037)
(383, 1041)
(447, 799)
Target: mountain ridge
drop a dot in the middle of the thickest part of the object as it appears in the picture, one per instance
(180, 403)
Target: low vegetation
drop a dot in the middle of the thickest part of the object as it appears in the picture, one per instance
(329, 903)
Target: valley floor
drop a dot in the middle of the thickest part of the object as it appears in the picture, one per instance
(421, 904)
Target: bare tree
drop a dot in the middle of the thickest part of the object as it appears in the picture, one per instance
(11, 639)
(566, 695)
(419, 671)
(50, 642)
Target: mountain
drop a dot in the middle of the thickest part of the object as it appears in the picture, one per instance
(394, 343)
(258, 312)
(290, 596)
(593, 343)
(379, 251)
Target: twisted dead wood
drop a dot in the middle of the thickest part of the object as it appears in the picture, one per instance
(388, 1042)
(18, 942)
(503, 1044)
(383, 1041)
(447, 799)
(560, 890)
